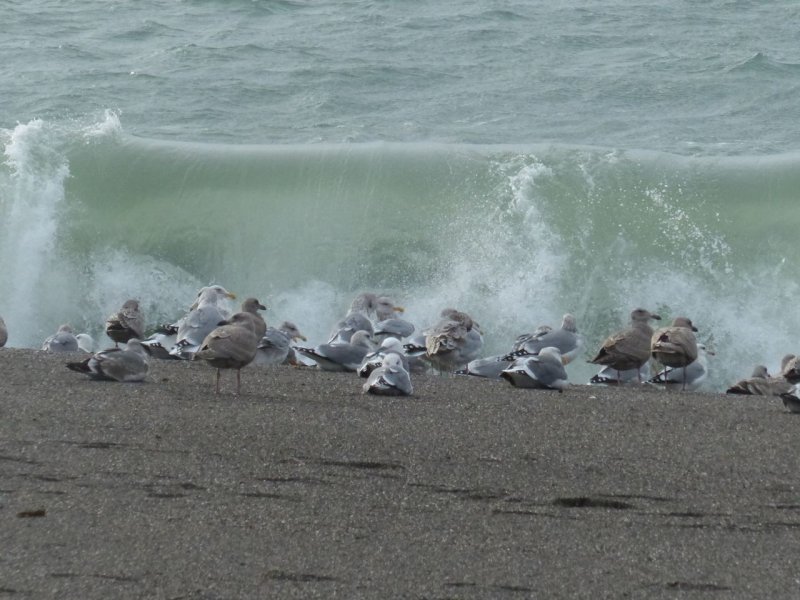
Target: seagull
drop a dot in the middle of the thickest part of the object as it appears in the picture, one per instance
(760, 383)
(3, 333)
(542, 371)
(791, 400)
(390, 379)
(126, 323)
(85, 342)
(535, 335)
(162, 340)
(275, 346)
(790, 368)
(629, 348)
(231, 345)
(252, 306)
(209, 309)
(454, 341)
(491, 367)
(356, 319)
(62, 340)
(675, 346)
(374, 360)
(610, 376)
(694, 373)
(341, 356)
(127, 364)
(567, 339)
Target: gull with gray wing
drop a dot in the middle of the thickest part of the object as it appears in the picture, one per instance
(390, 379)
(342, 356)
(63, 340)
(544, 370)
(127, 364)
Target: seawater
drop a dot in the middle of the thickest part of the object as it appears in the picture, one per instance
(514, 161)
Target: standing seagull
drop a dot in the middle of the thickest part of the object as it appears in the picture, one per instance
(126, 364)
(126, 323)
(3, 333)
(693, 374)
(252, 306)
(542, 371)
(629, 348)
(390, 379)
(232, 345)
(62, 340)
(675, 346)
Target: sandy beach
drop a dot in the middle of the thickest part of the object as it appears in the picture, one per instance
(302, 487)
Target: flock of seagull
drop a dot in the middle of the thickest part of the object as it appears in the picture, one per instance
(373, 340)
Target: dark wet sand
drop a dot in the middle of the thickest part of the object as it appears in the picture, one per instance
(302, 487)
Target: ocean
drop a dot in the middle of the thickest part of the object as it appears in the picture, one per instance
(513, 160)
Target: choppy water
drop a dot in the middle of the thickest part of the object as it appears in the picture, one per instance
(516, 161)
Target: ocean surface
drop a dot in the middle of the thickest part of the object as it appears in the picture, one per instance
(513, 160)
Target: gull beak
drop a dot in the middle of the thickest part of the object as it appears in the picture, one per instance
(399, 309)
(231, 295)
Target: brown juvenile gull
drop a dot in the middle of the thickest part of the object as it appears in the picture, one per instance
(544, 370)
(275, 345)
(231, 345)
(390, 379)
(691, 376)
(63, 340)
(252, 306)
(790, 368)
(127, 364)
(3, 333)
(629, 348)
(453, 342)
(675, 346)
(341, 356)
(126, 323)
(761, 383)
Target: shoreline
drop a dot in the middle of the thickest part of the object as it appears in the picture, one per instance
(305, 487)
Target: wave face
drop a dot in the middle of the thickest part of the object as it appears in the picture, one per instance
(515, 235)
